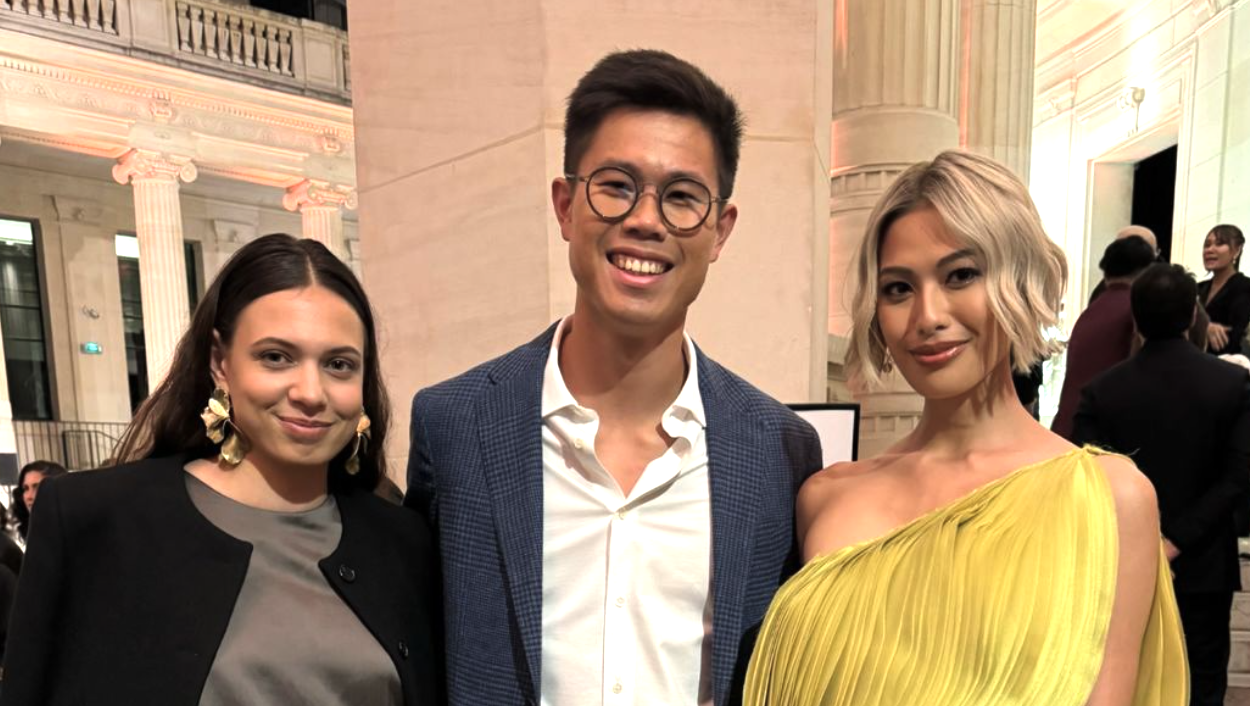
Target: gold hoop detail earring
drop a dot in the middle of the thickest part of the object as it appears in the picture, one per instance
(220, 430)
(887, 362)
(363, 434)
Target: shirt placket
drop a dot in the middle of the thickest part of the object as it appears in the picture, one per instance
(618, 632)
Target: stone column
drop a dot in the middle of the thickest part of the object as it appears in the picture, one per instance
(162, 264)
(895, 102)
(997, 101)
(8, 441)
(321, 207)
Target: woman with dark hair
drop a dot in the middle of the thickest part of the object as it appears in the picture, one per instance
(238, 553)
(1226, 296)
(29, 479)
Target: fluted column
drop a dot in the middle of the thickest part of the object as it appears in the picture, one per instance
(162, 264)
(8, 441)
(895, 102)
(998, 87)
(321, 207)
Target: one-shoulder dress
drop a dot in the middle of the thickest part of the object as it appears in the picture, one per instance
(1001, 598)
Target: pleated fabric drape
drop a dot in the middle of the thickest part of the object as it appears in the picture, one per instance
(1001, 598)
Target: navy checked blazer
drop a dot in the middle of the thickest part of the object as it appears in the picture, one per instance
(475, 470)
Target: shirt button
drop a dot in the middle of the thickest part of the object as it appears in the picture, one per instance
(617, 688)
(620, 514)
(347, 573)
(579, 444)
(403, 649)
(620, 601)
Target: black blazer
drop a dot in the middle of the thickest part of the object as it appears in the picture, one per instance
(1184, 418)
(127, 590)
(1230, 307)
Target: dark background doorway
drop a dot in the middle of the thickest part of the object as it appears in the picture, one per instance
(1154, 195)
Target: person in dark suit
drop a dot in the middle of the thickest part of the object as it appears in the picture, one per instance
(1184, 417)
(1226, 296)
(614, 509)
(237, 555)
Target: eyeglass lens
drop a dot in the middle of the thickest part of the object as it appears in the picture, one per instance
(613, 193)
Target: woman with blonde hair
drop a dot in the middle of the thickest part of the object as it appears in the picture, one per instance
(981, 560)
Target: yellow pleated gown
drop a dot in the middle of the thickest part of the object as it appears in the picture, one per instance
(1001, 598)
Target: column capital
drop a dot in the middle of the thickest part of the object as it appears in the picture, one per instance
(140, 164)
(313, 193)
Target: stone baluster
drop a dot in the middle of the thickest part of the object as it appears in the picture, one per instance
(155, 179)
(321, 207)
(107, 16)
(184, 26)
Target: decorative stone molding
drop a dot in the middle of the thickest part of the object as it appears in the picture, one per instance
(79, 210)
(145, 165)
(224, 127)
(258, 46)
(310, 192)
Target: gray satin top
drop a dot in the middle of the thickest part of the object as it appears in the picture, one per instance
(291, 638)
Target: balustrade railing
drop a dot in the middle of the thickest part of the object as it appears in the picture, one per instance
(296, 55)
(229, 35)
(75, 445)
(99, 15)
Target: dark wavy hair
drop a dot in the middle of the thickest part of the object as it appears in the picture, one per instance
(49, 469)
(168, 422)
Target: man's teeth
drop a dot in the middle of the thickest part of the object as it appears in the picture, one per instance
(638, 267)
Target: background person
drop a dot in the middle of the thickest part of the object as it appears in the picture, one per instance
(238, 554)
(1104, 333)
(971, 563)
(1226, 296)
(29, 479)
(1185, 417)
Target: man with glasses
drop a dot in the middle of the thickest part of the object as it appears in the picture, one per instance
(614, 509)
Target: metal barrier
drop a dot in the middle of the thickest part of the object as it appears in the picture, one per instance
(75, 445)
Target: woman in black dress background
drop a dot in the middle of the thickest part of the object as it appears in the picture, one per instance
(1226, 296)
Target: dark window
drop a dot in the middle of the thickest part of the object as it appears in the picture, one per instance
(21, 317)
(328, 12)
(132, 309)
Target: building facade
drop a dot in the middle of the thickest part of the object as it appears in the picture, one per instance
(141, 143)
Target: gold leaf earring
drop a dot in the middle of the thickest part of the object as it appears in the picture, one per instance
(360, 444)
(220, 430)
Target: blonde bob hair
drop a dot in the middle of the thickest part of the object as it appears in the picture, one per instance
(987, 209)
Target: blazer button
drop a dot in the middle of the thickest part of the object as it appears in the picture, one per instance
(403, 649)
(347, 573)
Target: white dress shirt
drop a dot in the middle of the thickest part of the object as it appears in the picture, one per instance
(627, 605)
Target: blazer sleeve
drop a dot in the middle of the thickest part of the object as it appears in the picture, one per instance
(421, 495)
(1215, 505)
(34, 626)
(1085, 428)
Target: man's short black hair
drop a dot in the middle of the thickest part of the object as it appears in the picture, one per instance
(1163, 300)
(653, 80)
(1126, 257)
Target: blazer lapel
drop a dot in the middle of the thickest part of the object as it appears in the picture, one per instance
(510, 433)
(735, 446)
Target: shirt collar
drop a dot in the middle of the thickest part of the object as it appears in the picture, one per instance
(556, 396)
